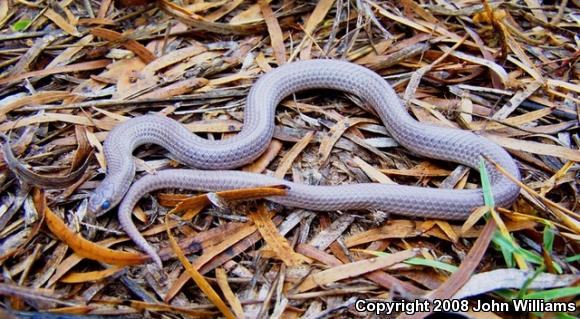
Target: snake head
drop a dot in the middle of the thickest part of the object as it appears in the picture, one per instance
(101, 201)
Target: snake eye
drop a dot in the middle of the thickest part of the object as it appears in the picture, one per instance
(106, 204)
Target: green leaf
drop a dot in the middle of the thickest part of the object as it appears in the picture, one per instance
(506, 250)
(431, 263)
(554, 293)
(529, 281)
(549, 235)
(572, 258)
(418, 261)
(21, 25)
(548, 238)
(485, 184)
(511, 247)
(561, 315)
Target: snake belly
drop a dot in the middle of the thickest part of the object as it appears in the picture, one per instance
(446, 144)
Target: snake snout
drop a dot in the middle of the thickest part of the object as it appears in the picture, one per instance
(101, 201)
(95, 204)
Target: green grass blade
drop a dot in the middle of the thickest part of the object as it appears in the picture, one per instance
(419, 261)
(561, 315)
(21, 25)
(431, 263)
(572, 259)
(548, 239)
(554, 293)
(506, 244)
(506, 250)
(548, 244)
(486, 184)
(529, 281)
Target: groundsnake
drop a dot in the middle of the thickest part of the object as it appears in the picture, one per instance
(427, 140)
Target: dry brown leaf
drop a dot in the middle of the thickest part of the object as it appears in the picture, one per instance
(260, 164)
(473, 219)
(89, 249)
(197, 277)
(79, 277)
(516, 100)
(336, 131)
(289, 157)
(392, 229)
(159, 307)
(405, 229)
(61, 22)
(524, 61)
(568, 217)
(448, 230)
(272, 237)
(421, 170)
(354, 269)
(39, 200)
(83, 66)
(172, 58)
(276, 36)
(514, 120)
(41, 97)
(4, 6)
(372, 172)
(177, 88)
(31, 178)
(213, 83)
(54, 117)
(198, 202)
(68, 55)
(535, 147)
(320, 11)
(549, 184)
(222, 280)
(132, 45)
(215, 126)
(186, 16)
(252, 13)
(209, 253)
(105, 4)
(96, 21)
(380, 277)
(71, 261)
(223, 10)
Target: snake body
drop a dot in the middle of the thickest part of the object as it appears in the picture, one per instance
(430, 141)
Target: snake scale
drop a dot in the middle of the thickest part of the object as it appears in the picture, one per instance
(430, 141)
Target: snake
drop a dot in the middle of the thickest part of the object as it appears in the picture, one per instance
(213, 161)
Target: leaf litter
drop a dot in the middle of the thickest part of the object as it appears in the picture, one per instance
(70, 71)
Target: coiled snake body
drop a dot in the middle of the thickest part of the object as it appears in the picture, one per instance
(435, 142)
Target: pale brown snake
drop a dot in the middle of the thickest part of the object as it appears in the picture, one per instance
(430, 141)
